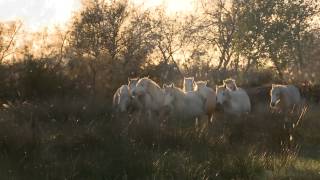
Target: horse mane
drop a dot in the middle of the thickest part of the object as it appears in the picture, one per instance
(150, 81)
(133, 81)
(202, 82)
(230, 81)
(282, 91)
(277, 86)
(126, 87)
(221, 87)
(152, 87)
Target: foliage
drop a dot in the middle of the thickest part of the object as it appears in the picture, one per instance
(274, 30)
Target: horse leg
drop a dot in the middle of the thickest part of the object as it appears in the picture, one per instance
(196, 121)
(210, 119)
(149, 116)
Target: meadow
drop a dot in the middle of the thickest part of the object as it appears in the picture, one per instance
(70, 134)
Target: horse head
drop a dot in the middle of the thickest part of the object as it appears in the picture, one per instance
(169, 95)
(188, 84)
(132, 83)
(230, 84)
(222, 95)
(275, 94)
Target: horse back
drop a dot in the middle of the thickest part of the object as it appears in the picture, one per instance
(294, 94)
(240, 100)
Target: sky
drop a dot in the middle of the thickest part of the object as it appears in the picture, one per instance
(37, 14)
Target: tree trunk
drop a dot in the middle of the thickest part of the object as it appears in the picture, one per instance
(236, 63)
(279, 70)
(248, 66)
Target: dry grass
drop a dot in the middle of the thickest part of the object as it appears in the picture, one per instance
(79, 139)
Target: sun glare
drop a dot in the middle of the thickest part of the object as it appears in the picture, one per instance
(172, 6)
(37, 14)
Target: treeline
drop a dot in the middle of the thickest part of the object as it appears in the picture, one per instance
(254, 41)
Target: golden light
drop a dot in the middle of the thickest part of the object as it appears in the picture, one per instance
(37, 14)
(172, 6)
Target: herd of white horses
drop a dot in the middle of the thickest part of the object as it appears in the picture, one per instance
(196, 99)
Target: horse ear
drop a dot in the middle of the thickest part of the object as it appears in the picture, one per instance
(164, 86)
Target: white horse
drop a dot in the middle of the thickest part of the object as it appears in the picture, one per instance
(209, 97)
(132, 83)
(233, 102)
(149, 94)
(230, 84)
(285, 98)
(121, 99)
(188, 84)
(136, 102)
(185, 105)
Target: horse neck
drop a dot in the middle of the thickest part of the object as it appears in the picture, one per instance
(125, 90)
(284, 96)
(126, 87)
(155, 92)
(186, 87)
(202, 93)
(179, 93)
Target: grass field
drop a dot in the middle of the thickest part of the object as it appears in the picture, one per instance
(80, 139)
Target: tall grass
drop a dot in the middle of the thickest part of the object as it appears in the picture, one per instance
(53, 127)
(80, 139)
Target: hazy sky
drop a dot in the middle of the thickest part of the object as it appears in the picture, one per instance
(36, 14)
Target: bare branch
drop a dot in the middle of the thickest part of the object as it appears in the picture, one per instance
(5, 53)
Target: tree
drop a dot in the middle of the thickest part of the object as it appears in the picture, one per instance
(168, 38)
(137, 41)
(273, 30)
(221, 22)
(97, 31)
(8, 33)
